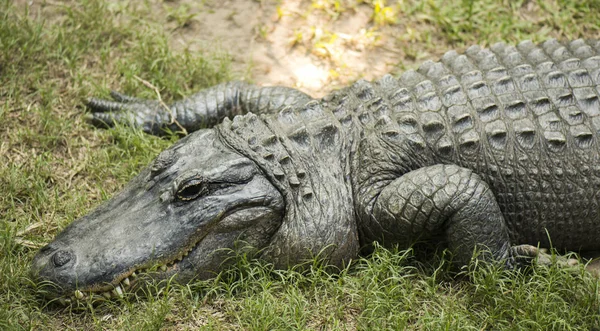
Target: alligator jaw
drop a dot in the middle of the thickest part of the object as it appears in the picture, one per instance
(129, 279)
(156, 270)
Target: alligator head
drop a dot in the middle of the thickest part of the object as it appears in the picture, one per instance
(197, 197)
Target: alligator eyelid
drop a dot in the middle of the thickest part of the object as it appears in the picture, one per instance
(206, 187)
(228, 182)
(196, 181)
(189, 185)
(183, 180)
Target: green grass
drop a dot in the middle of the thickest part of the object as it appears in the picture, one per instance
(54, 168)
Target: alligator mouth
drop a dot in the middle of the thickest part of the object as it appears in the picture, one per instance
(128, 279)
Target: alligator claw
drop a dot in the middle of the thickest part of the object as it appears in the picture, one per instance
(526, 251)
(120, 97)
(525, 254)
(144, 114)
(546, 258)
(104, 120)
(100, 105)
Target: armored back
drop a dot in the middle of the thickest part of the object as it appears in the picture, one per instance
(525, 118)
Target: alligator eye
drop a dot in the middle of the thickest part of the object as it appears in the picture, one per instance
(191, 189)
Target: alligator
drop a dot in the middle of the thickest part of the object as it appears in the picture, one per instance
(494, 150)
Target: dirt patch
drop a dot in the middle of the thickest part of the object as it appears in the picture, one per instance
(281, 44)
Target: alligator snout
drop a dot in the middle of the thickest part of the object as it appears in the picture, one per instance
(53, 256)
(53, 263)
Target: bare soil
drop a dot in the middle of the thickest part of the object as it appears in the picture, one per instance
(278, 43)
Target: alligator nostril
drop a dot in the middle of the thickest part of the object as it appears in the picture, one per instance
(61, 258)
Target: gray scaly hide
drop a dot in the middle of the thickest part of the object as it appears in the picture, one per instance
(303, 152)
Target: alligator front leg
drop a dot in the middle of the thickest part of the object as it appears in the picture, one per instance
(201, 110)
(449, 202)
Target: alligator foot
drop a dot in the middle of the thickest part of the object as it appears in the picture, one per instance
(526, 254)
(546, 258)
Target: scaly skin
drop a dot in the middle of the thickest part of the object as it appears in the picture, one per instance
(202, 110)
(491, 150)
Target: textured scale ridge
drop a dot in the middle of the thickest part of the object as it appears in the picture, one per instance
(289, 146)
(524, 117)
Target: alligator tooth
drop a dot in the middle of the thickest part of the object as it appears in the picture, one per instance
(106, 294)
(79, 295)
(126, 282)
(118, 291)
(179, 258)
(133, 275)
(163, 267)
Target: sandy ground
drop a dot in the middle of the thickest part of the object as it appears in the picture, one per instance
(279, 43)
(298, 43)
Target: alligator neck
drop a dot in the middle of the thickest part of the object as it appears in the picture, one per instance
(305, 152)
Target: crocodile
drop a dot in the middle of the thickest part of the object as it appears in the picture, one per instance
(494, 150)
